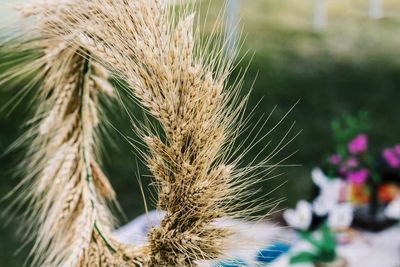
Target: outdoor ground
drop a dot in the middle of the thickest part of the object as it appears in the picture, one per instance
(353, 65)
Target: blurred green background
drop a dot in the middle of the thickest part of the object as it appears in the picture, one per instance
(351, 65)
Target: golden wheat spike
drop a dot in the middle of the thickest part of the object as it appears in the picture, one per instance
(70, 191)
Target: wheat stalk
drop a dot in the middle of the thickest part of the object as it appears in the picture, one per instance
(181, 84)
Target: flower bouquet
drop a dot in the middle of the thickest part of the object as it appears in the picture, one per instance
(368, 181)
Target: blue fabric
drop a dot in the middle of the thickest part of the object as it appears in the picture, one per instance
(232, 263)
(272, 252)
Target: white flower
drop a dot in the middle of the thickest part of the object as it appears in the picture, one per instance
(392, 211)
(330, 189)
(322, 205)
(341, 216)
(301, 217)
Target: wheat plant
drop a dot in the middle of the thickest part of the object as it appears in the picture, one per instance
(181, 82)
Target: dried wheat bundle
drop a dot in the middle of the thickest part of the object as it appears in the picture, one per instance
(183, 85)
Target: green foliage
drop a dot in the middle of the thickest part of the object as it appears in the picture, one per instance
(347, 127)
(324, 247)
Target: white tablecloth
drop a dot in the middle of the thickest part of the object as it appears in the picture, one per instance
(367, 249)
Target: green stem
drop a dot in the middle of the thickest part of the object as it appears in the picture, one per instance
(89, 176)
(110, 247)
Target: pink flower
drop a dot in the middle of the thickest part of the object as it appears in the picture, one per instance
(397, 149)
(391, 158)
(334, 159)
(358, 144)
(342, 171)
(352, 163)
(358, 177)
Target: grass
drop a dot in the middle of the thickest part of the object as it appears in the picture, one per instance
(349, 67)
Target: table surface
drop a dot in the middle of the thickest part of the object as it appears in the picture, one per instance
(366, 250)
